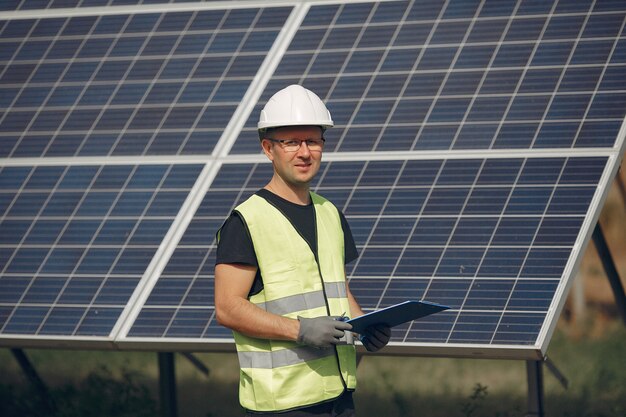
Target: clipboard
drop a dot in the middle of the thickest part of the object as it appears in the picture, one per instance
(396, 314)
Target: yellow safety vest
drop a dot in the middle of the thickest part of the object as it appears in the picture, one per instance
(278, 375)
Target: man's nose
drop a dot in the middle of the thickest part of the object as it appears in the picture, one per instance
(304, 150)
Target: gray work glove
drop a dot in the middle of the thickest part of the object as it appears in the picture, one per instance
(321, 332)
(375, 337)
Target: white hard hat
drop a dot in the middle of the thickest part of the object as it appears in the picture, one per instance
(294, 106)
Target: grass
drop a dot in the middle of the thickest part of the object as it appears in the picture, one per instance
(469, 387)
(88, 383)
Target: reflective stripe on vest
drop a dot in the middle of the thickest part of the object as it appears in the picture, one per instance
(301, 302)
(295, 283)
(284, 357)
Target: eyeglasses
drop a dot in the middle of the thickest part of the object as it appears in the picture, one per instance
(292, 145)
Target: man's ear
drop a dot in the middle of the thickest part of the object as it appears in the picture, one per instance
(267, 147)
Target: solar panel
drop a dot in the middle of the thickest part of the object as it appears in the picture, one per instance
(76, 240)
(473, 148)
(429, 77)
(134, 84)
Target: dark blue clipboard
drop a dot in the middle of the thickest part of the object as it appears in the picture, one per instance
(396, 314)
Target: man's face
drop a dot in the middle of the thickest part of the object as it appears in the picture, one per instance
(295, 168)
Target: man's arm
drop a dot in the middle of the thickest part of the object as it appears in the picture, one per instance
(233, 310)
(355, 308)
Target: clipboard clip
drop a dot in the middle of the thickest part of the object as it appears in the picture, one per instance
(348, 336)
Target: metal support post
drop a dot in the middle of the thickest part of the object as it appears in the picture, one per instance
(197, 363)
(32, 375)
(610, 270)
(534, 372)
(556, 372)
(167, 384)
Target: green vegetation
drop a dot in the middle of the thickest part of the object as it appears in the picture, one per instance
(498, 388)
(126, 383)
(99, 394)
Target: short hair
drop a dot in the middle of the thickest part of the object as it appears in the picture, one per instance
(269, 132)
(264, 133)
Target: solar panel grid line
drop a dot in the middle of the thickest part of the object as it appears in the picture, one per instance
(104, 305)
(55, 85)
(421, 210)
(305, 74)
(165, 33)
(197, 273)
(582, 241)
(418, 59)
(261, 78)
(600, 78)
(451, 216)
(104, 160)
(385, 53)
(379, 65)
(64, 72)
(83, 255)
(351, 50)
(483, 77)
(39, 212)
(500, 216)
(554, 122)
(141, 104)
(447, 74)
(401, 46)
(199, 56)
(3, 116)
(14, 200)
(481, 95)
(130, 35)
(532, 244)
(448, 244)
(524, 71)
(122, 247)
(316, 52)
(487, 95)
(163, 8)
(120, 83)
(404, 246)
(558, 83)
(516, 18)
(228, 66)
(163, 253)
(178, 309)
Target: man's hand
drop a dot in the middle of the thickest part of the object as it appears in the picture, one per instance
(376, 337)
(321, 332)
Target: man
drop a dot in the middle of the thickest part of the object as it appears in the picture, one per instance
(280, 275)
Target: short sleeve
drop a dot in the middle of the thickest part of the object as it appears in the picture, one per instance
(351, 252)
(235, 245)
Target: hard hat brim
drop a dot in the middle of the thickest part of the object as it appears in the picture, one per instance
(268, 125)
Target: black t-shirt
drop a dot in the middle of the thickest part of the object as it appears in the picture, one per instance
(235, 246)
